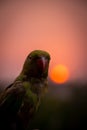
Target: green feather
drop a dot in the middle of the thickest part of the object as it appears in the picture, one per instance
(30, 95)
(22, 98)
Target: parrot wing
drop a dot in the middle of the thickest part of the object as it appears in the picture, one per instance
(11, 100)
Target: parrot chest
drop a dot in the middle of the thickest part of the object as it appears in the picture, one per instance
(39, 86)
(29, 106)
(31, 100)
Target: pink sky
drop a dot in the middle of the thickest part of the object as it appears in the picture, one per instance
(57, 27)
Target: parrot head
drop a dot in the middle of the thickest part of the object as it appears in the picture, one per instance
(36, 64)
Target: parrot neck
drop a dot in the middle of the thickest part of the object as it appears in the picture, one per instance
(23, 77)
(27, 76)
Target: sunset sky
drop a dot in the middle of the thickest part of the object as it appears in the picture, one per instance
(52, 25)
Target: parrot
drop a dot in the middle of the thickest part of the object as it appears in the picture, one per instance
(20, 100)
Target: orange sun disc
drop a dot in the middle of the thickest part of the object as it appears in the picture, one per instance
(59, 73)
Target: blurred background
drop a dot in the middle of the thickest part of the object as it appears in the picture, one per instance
(59, 27)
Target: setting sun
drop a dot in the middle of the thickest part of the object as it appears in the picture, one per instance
(59, 73)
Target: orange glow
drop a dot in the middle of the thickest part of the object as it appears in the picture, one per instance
(59, 74)
(47, 25)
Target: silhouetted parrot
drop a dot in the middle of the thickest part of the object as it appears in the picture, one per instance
(20, 100)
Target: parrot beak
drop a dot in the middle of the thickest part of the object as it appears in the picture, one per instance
(42, 63)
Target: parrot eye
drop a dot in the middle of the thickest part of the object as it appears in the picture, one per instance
(30, 57)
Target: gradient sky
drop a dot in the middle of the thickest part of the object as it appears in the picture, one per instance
(55, 26)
